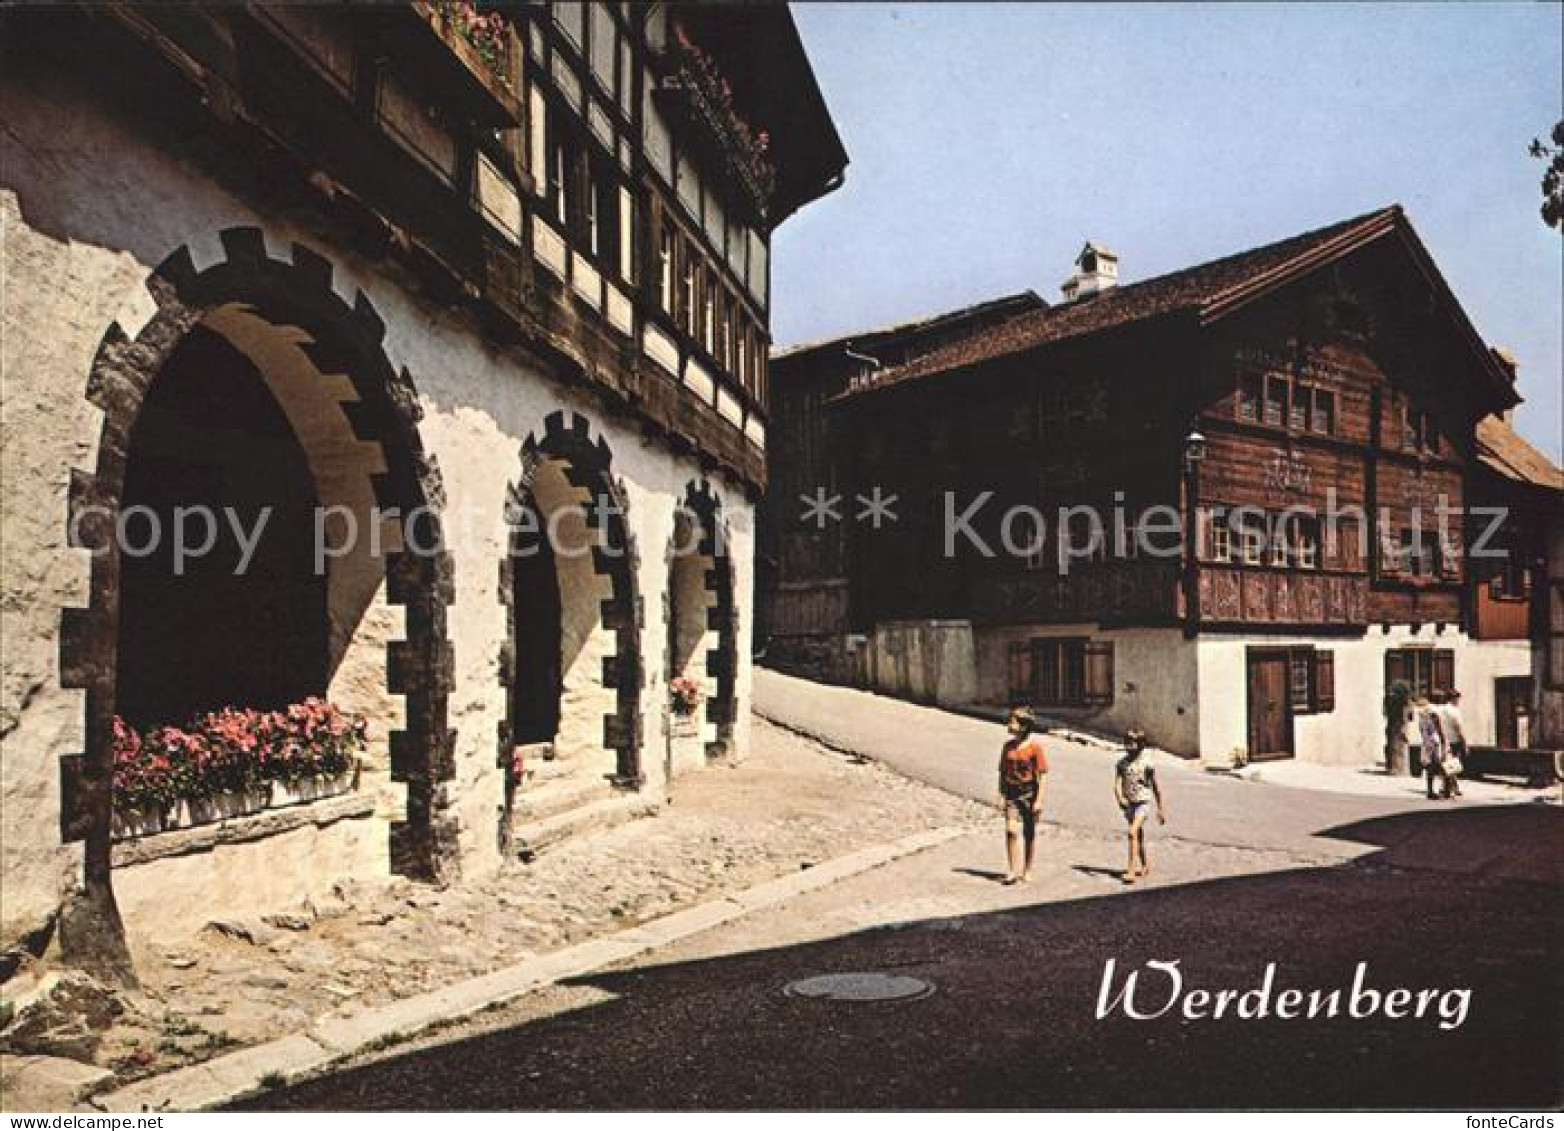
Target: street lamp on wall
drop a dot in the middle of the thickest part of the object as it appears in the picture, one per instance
(1194, 449)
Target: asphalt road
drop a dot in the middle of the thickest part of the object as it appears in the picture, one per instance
(1012, 1021)
(960, 754)
(1436, 898)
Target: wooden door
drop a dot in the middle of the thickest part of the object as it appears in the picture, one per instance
(1270, 707)
(1512, 695)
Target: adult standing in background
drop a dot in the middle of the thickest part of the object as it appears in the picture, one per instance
(1433, 749)
(1448, 708)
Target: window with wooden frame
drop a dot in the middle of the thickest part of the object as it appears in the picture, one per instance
(1059, 672)
(1221, 539)
(1275, 406)
(689, 282)
(1019, 672)
(1311, 680)
(1393, 553)
(1423, 548)
(591, 214)
(559, 187)
(1424, 670)
(667, 242)
(1251, 536)
(708, 333)
(1510, 578)
(1062, 672)
(724, 351)
(1249, 396)
(1278, 543)
(1322, 413)
(1304, 535)
(1298, 407)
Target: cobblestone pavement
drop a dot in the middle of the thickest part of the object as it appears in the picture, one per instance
(790, 805)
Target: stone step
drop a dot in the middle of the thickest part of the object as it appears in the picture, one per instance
(538, 768)
(529, 837)
(536, 801)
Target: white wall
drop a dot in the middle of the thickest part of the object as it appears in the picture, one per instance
(929, 661)
(1154, 674)
(1353, 733)
(89, 207)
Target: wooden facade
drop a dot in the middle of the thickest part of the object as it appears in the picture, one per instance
(802, 567)
(594, 183)
(1338, 413)
(1278, 447)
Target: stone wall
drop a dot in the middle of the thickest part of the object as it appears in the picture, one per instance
(91, 207)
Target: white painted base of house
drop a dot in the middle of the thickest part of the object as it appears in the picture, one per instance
(1191, 696)
(929, 661)
(1353, 733)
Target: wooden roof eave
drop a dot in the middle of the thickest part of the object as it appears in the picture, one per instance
(1376, 227)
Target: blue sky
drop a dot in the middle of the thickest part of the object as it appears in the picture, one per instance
(988, 141)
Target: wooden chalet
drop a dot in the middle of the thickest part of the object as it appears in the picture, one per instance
(1268, 442)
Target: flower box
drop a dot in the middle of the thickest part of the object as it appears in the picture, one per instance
(129, 823)
(230, 763)
(301, 791)
(222, 806)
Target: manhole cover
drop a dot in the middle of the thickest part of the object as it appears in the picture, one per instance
(860, 987)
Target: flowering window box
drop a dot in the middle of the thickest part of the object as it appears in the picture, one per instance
(696, 93)
(220, 807)
(473, 55)
(232, 763)
(129, 824)
(301, 791)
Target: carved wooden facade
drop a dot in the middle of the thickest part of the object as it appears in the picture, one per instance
(1338, 409)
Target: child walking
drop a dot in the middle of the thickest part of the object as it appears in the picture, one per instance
(1134, 788)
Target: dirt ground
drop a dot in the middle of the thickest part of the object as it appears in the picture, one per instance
(791, 804)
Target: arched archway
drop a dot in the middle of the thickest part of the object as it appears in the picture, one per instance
(701, 623)
(355, 419)
(210, 618)
(571, 663)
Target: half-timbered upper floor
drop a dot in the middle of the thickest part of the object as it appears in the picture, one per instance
(595, 183)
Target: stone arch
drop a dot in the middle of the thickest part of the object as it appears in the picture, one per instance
(343, 342)
(566, 452)
(703, 505)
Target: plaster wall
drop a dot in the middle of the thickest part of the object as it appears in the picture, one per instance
(1353, 733)
(89, 206)
(1155, 680)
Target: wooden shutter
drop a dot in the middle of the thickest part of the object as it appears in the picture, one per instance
(1020, 672)
(1444, 670)
(1099, 673)
(1324, 681)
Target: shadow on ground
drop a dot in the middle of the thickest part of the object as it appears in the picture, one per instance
(1012, 1022)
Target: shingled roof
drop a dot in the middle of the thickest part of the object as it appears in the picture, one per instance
(1022, 301)
(1207, 291)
